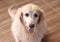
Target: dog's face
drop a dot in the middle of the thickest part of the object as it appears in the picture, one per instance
(30, 19)
(30, 16)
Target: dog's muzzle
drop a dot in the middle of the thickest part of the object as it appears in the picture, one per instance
(31, 28)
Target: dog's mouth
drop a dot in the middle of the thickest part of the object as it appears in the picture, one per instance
(31, 30)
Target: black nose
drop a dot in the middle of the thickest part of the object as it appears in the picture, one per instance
(31, 26)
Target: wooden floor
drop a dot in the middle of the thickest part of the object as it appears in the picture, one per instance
(51, 11)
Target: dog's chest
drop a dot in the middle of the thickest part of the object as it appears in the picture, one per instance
(31, 38)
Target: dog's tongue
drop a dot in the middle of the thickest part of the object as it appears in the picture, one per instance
(31, 30)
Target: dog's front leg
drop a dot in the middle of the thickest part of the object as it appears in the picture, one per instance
(17, 39)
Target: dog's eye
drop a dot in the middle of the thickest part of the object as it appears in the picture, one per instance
(27, 14)
(35, 15)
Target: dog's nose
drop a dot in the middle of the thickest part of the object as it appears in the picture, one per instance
(31, 26)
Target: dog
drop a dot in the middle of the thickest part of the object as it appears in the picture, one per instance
(28, 23)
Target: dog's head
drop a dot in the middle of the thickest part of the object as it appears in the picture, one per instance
(30, 16)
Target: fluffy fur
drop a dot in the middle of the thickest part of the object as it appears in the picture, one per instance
(20, 29)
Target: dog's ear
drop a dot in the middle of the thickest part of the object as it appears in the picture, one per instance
(21, 17)
(12, 12)
(41, 16)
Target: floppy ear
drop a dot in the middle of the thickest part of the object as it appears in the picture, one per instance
(41, 16)
(21, 17)
(12, 12)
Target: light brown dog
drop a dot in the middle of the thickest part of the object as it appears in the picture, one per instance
(28, 23)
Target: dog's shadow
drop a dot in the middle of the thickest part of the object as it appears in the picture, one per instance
(45, 39)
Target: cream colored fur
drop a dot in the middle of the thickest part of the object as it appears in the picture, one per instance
(18, 30)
